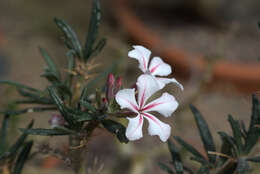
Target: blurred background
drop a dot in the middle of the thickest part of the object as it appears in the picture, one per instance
(217, 30)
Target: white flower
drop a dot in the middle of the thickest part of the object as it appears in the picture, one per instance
(157, 66)
(165, 105)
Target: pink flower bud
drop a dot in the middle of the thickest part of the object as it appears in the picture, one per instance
(56, 120)
(110, 86)
(104, 100)
(118, 84)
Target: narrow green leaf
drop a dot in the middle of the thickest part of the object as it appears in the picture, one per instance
(71, 37)
(51, 65)
(18, 85)
(62, 89)
(205, 134)
(243, 129)
(64, 129)
(85, 117)
(92, 30)
(236, 133)
(101, 44)
(15, 147)
(252, 135)
(83, 95)
(51, 77)
(36, 97)
(189, 147)
(3, 134)
(12, 151)
(165, 168)
(254, 159)
(71, 66)
(60, 106)
(45, 132)
(176, 158)
(88, 106)
(32, 101)
(230, 141)
(28, 110)
(117, 129)
(22, 158)
(227, 149)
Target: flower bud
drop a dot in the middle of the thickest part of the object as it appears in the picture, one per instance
(118, 84)
(104, 102)
(110, 86)
(56, 120)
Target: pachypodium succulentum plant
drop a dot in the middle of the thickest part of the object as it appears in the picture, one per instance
(70, 95)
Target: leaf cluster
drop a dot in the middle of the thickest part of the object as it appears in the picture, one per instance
(69, 94)
(13, 157)
(235, 151)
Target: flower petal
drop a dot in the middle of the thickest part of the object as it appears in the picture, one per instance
(134, 128)
(165, 105)
(142, 54)
(147, 85)
(159, 67)
(156, 127)
(126, 99)
(164, 81)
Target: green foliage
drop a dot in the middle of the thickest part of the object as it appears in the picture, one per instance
(68, 94)
(116, 128)
(51, 68)
(22, 157)
(48, 132)
(90, 47)
(205, 134)
(234, 156)
(80, 113)
(176, 158)
(14, 156)
(71, 39)
(3, 134)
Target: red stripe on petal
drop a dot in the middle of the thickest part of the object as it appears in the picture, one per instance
(151, 106)
(132, 104)
(142, 98)
(139, 124)
(152, 118)
(154, 68)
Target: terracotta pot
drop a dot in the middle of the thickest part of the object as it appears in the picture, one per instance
(244, 76)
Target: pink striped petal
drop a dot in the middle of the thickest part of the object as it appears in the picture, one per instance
(165, 105)
(126, 99)
(159, 67)
(142, 54)
(134, 128)
(157, 127)
(164, 81)
(147, 85)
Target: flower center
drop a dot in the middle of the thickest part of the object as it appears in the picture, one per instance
(147, 72)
